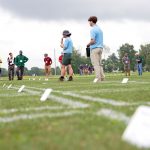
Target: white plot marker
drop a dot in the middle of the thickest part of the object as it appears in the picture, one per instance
(33, 79)
(125, 80)
(4, 85)
(39, 79)
(138, 130)
(45, 94)
(21, 88)
(9, 86)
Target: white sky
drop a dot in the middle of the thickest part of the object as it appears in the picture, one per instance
(36, 37)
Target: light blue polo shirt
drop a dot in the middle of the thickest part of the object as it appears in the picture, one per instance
(96, 34)
(68, 45)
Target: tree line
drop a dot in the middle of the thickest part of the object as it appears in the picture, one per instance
(112, 63)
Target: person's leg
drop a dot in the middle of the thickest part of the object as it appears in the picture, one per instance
(21, 72)
(13, 68)
(9, 72)
(17, 72)
(70, 72)
(63, 70)
(45, 69)
(140, 68)
(125, 70)
(66, 62)
(128, 72)
(102, 75)
(95, 60)
(48, 71)
(0, 72)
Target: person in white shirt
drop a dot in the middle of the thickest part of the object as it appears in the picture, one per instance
(11, 66)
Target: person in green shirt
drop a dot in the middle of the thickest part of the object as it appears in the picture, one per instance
(20, 61)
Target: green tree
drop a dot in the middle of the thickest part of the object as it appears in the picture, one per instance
(145, 53)
(26, 71)
(37, 71)
(4, 72)
(127, 48)
(77, 60)
(111, 63)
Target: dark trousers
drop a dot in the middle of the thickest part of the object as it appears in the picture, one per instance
(11, 69)
(19, 72)
(0, 72)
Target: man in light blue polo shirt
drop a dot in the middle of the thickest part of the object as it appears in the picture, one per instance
(96, 48)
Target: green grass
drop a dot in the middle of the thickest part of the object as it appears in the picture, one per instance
(83, 130)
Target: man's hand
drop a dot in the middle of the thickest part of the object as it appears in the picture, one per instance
(88, 45)
(62, 45)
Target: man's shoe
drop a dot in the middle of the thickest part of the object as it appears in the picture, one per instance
(102, 79)
(61, 78)
(96, 80)
(70, 78)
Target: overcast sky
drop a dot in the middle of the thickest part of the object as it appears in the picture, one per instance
(35, 26)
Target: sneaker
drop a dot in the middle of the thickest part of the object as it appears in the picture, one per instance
(61, 78)
(70, 78)
(96, 80)
(102, 79)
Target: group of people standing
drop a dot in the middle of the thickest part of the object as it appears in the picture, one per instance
(96, 48)
(126, 62)
(18, 61)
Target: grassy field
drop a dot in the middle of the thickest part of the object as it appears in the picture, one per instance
(73, 117)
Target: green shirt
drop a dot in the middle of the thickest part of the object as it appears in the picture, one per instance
(20, 60)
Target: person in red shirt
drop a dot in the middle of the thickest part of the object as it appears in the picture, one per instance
(48, 62)
(61, 58)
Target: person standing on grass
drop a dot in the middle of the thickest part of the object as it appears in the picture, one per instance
(61, 58)
(139, 63)
(96, 48)
(11, 66)
(67, 46)
(126, 62)
(0, 67)
(20, 61)
(48, 62)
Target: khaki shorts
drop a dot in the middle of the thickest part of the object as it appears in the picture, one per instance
(67, 59)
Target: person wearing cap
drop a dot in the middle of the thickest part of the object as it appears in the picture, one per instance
(126, 62)
(11, 66)
(67, 45)
(48, 62)
(139, 63)
(20, 61)
(96, 48)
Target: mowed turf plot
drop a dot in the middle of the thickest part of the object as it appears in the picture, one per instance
(78, 115)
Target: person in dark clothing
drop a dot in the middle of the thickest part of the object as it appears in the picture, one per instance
(139, 63)
(20, 61)
(11, 66)
(0, 67)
